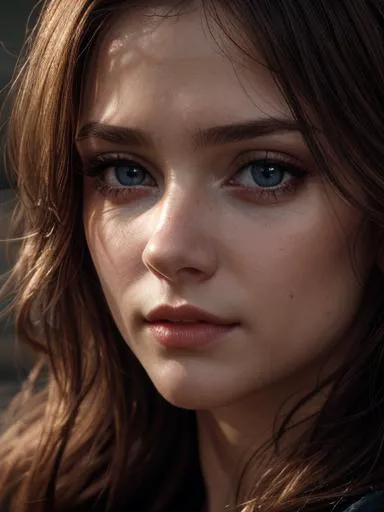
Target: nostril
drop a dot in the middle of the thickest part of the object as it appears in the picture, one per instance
(192, 270)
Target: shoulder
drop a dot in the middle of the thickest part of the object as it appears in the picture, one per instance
(370, 503)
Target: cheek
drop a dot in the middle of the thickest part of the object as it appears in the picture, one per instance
(115, 243)
(305, 283)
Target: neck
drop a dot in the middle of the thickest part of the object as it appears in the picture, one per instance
(230, 435)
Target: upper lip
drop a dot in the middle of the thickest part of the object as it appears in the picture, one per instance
(184, 313)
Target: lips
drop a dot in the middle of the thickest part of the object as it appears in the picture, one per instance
(186, 327)
(184, 314)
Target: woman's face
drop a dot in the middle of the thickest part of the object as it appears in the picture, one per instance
(200, 191)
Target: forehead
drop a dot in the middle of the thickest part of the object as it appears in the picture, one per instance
(149, 62)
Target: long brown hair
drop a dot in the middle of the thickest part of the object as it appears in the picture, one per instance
(97, 433)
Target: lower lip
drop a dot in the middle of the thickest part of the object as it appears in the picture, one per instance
(184, 335)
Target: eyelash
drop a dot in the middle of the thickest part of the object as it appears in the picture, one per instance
(98, 167)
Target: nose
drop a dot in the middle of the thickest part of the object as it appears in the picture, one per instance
(182, 246)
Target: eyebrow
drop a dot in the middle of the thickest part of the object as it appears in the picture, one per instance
(213, 136)
(114, 134)
(243, 131)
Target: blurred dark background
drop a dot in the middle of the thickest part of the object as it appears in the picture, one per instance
(16, 18)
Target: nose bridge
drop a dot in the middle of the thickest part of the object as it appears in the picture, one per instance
(181, 238)
(179, 210)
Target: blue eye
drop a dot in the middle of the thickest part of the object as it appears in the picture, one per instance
(267, 174)
(129, 175)
(121, 173)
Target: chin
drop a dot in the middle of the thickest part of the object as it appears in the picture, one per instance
(192, 399)
(197, 390)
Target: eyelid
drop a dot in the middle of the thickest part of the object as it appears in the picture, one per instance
(268, 155)
(97, 164)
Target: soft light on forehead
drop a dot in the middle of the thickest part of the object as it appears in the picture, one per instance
(158, 34)
(179, 60)
(155, 32)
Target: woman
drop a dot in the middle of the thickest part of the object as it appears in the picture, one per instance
(202, 199)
